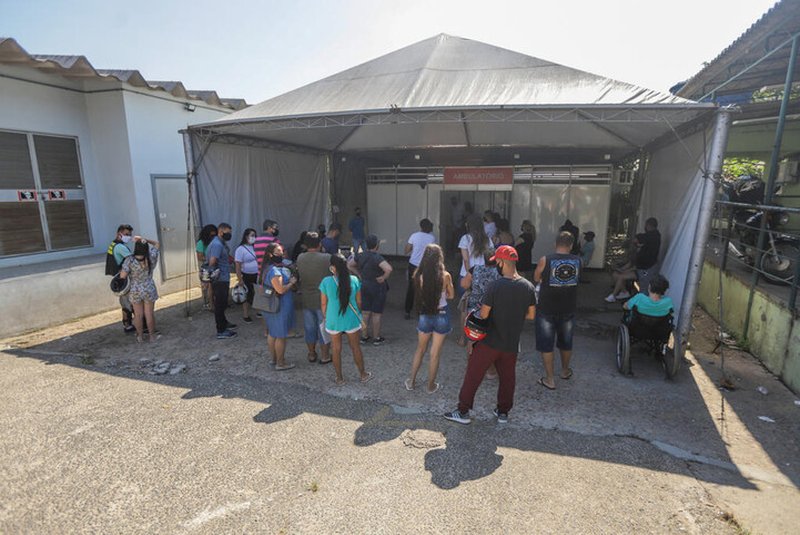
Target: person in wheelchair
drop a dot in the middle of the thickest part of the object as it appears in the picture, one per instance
(654, 303)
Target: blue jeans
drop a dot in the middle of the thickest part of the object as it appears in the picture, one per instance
(311, 320)
(358, 243)
(435, 323)
(554, 329)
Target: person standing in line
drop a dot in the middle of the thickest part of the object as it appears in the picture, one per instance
(374, 271)
(246, 263)
(299, 246)
(207, 234)
(434, 286)
(340, 301)
(330, 243)
(524, 246)
(415, 247)
(278, 276)
(218, 255)
(508, 302)
(570, 227)
(473, 247)
(587, 249)
(356, 226)
(270, 235)
(558, 274)
(489, 224)
(116, 254)
(313, 266)
(143, 293)
(503, 236)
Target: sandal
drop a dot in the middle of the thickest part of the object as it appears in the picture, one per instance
(541, 382)
(325, 361)
(568, 376)
(367, 378)
(339, 382)
(408, 384)
(312, 357)
(283, 367)
(435, 388)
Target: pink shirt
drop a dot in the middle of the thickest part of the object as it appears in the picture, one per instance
(261, 245)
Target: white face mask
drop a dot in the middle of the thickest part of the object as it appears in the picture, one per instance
(251, 240)
(125, 238)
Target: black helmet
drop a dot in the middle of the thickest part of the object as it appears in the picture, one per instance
(120, 286)
(476, 327)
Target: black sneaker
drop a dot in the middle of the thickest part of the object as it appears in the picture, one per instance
(247, 320)
(378, 341)
(502, 417)
(230, 326)
(365, 339)
(456, 416)
(129, 329)
(225, 334)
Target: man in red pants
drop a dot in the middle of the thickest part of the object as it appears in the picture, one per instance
(508, 302)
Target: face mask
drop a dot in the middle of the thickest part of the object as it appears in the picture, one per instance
(139, 258)
(276, 232)
(277, 259)
(227, 236)
(251, 240)
(125, 238)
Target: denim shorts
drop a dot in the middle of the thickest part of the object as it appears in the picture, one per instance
(435, 323)
(311, 320)
(554, 330)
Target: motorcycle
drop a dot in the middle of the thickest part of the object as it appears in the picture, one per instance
(781, 251)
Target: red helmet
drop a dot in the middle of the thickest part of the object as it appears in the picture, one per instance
(476, 327)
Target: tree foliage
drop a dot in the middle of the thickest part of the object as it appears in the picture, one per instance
(733, 168)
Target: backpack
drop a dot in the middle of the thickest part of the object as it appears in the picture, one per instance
(748, 189)
(112, 268)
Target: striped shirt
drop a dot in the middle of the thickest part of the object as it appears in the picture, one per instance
(261, 245)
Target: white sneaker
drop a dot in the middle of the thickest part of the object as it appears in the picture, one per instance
(610, 299)
(623, 295)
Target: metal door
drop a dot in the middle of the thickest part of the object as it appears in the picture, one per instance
(171, 204)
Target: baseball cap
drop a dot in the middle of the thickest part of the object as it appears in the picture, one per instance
(505, 252)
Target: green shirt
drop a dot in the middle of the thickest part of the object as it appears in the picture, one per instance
(334, 320)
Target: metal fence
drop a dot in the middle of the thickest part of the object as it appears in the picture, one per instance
(762, 243)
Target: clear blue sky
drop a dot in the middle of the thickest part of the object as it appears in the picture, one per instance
(259, 49)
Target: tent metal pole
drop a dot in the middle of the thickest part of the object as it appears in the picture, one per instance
(773, 174)
(713, 172)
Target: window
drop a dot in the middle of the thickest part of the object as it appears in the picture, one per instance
(42, 202)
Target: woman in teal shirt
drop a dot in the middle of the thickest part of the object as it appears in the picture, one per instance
(654, 303)
(340, 301)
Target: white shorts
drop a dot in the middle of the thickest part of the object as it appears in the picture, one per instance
(351, 331)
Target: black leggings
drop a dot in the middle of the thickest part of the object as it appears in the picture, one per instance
(249, 280)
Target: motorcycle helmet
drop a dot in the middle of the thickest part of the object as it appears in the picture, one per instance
(476, 327)
(120, 286)
(239, 294)
(208, 273)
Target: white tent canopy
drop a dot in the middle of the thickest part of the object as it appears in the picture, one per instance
(436, 102)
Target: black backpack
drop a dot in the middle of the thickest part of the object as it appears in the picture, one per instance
(748, 189)
(112, 268)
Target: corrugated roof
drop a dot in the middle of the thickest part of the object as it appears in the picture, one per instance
(774, 28)
(11, 53)
(448, 71)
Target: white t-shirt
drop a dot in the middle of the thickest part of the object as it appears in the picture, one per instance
(418, 241)
(466, 243)
(246, 255)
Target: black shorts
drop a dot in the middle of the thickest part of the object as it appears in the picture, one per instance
(249, 280)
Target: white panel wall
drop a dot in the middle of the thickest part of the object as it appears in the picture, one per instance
(382, 215)
(589, 211)
(412, 206)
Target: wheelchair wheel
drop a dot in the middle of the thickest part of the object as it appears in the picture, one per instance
(623, 350)
(670, 358)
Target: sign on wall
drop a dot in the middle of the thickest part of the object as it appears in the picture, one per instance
(26, 195)
(454, 176)
(56, 195)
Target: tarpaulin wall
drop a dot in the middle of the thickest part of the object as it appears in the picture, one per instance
(245, 185)
(349, 190)
(672, 194)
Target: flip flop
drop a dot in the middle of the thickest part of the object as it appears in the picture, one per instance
(435, 388)
(409, 385)
(367, 378)
(325, 361)
(569, 375)
(541, 382)
(312, 357)
(284, 367)
(339, 382)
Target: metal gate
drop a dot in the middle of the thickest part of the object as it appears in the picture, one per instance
(170, 198)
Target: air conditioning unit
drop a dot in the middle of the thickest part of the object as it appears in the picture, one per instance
(624, 177)
(788, 171)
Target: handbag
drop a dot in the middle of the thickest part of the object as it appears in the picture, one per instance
(267, 300)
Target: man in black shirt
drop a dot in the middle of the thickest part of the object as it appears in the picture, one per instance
(508, 302)
(649, 245)
(558, 275)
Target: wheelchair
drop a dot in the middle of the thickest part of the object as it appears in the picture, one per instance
(654, 333)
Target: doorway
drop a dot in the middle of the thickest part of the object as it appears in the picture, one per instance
(456, 206)
(171, 203)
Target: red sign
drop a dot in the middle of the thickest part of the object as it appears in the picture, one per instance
(56, 195)
(26, 195)
(478, 175)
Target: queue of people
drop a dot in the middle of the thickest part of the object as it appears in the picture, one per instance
(499, 287)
